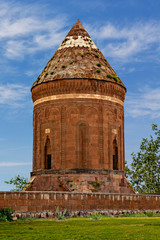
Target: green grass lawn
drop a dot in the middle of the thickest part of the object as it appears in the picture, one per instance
(83, 228)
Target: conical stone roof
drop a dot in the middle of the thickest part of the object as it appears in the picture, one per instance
(78, 57)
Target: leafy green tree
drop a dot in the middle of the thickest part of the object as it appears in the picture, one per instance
(144, 174)
(19, 182)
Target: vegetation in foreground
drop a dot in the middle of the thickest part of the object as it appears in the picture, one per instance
(82, 228)
(18, 182)
(144, 173)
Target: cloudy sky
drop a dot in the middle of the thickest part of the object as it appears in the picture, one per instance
(126, 31)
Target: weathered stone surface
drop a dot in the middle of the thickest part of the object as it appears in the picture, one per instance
(78, 121)
(77, 57)
(37, 215)
(43, 215)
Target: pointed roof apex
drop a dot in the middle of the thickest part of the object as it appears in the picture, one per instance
(78, 58)
(78, 30)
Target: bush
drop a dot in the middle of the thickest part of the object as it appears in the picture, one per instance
(113, 77)
(95, 216)
(3, 218)
(149, 214)
(127, 214)
(60, 214)
(98, 64)
(98, 70)
(6, 214)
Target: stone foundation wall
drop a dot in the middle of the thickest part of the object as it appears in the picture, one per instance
(49, 201)
(104, 181)
(81, 213)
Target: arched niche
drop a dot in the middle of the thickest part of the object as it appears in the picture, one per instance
(82, 144)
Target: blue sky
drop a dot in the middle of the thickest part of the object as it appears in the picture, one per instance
(126, 31)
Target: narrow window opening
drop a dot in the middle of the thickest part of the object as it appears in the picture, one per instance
(115, 155)
(114, 162)
(49, 161)
(48, 156)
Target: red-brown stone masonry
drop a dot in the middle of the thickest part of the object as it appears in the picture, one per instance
(49, 201)
(59, 120)
(91, 86)
(48, 116)
(102, 181)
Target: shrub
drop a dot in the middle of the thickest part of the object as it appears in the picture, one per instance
(82, 55)
(95, 216)
(3, 218)
(6, 214)
(97, 55)
(113, 77)
(52, 73)
(127, 214)
(98, 70)
(149, 214)
(63, 66)
(60, 214)
(98, 64)
(46, 74)
(96, 184)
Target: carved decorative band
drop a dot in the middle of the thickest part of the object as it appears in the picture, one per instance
(70, 96)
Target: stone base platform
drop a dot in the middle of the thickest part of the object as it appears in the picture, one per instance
(80, 180)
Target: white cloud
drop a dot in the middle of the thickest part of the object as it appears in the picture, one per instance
(28, 32)
(144, 103)
(25, 31)
(14, 164)
(13, 94)
(127, 41)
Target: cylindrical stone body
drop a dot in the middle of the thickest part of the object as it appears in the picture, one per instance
(78, 126)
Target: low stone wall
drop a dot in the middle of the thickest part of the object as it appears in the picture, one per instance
(49, 201)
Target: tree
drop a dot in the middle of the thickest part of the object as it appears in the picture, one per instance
(19, 182)
(144, 173)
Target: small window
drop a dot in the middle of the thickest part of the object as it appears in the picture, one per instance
(47, 155)
(114, 162)
(115, 155)
(49, 161)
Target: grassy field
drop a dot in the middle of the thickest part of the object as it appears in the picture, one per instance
(83, 228)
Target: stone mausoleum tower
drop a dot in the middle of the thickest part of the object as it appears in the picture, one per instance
(78, 121)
